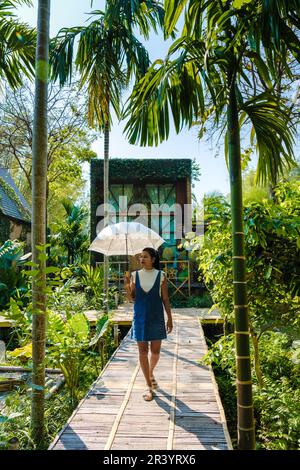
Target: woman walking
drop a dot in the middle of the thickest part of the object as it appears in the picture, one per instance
(148, 288)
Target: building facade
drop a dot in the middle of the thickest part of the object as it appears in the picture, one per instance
(15, 212)
(155, 192)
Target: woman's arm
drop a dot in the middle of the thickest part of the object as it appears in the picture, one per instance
(129, 287)
(166, 302)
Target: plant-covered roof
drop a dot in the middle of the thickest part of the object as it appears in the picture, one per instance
(126, 169)
(12, 203)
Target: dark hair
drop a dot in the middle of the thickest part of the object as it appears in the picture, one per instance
(154, 254)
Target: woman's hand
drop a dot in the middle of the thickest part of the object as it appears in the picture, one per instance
(169, 325)
(127, 279)
(129, 287)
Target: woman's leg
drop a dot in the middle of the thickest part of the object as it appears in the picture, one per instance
(155, 353)
(144, 362)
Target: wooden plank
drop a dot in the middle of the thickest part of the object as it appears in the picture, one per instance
(186, 412)
(112, 434)
(174, 390)
(5, 322)
(93, 316)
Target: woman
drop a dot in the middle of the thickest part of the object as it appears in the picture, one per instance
(148, 288)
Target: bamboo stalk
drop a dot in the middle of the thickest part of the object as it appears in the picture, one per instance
(246, 433)
(106, 198)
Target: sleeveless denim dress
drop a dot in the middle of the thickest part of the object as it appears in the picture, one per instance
(148, 313)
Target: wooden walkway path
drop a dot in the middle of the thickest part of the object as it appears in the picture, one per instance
(186, 412)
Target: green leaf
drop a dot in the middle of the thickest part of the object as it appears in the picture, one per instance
(238, 4)
(36, 387)
(30, 263)
(25, 351)
(52, 269)
(268, 273)
(96, 338)
(262, 68)
(174, 9)
(79, 326)
(14, 415)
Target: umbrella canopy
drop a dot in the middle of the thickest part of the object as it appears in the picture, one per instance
(125, 238)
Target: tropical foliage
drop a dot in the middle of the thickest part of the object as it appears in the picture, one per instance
(18, 41)
(276, 403)
(273, 259)
(72, 234)
(71, 345)
(13, 283)
(108, 54)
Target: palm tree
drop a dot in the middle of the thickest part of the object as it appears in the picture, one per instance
(72, 235)
(17, 51)
(209, 72)
(108, 56)
(39, 184)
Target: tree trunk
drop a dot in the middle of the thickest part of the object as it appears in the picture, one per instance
(39, 183)
(246, 432)
(106, 198)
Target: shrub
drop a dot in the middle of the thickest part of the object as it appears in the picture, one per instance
(277, 403)
(277, 409)
(13, 284)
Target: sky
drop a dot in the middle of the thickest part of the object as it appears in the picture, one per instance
(214, 174)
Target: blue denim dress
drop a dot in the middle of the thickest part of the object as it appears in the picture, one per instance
(148, 313)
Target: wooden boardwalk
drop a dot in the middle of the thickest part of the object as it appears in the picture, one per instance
(123, 314)
(186, 412)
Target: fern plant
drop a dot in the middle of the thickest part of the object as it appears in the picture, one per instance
(12, 279)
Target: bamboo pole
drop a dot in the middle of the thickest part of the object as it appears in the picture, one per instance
(246, 431)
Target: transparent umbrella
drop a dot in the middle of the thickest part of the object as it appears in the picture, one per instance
(125, 238)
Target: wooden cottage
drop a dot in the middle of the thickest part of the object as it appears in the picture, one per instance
(15, 212)
(156, 184)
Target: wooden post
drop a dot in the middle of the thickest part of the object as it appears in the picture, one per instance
(116, 335)
(2, 351)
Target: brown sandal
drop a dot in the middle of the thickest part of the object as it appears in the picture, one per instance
(148, 394)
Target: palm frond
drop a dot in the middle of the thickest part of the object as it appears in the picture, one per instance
(273, 133)
(107, 57)
(173, 11)
(143, 14)
(17, 51)
(170, 87)
(62, 54)
(176, 89)
(274, 25)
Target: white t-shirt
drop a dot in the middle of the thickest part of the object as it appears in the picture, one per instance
(147, 278)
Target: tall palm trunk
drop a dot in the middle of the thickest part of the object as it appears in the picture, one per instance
(39, 183)
(246, 432)
(106, 198)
